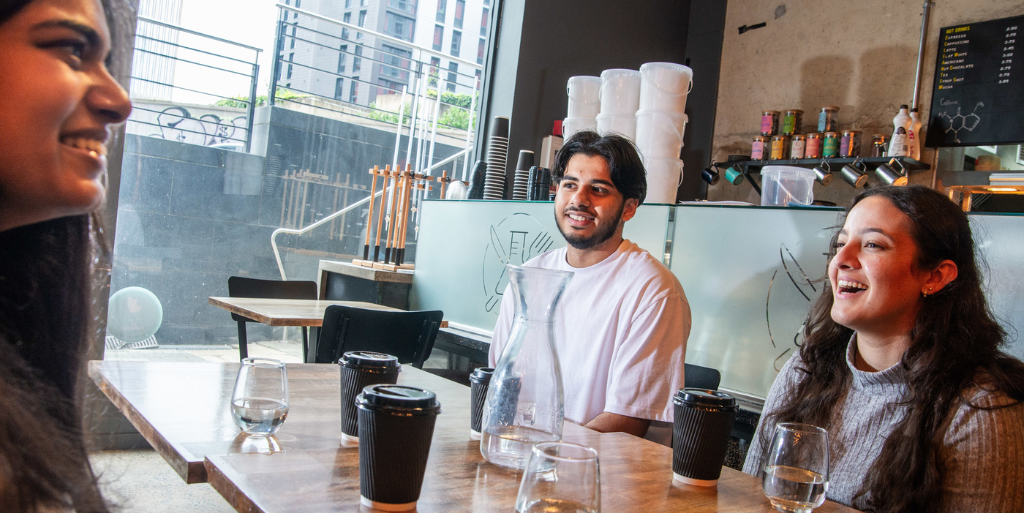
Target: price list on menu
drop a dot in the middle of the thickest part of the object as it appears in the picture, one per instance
(978, 92)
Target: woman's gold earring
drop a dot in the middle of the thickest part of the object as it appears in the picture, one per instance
(925, 293)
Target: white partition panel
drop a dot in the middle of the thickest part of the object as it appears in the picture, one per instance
(463, 247)
(750, 273)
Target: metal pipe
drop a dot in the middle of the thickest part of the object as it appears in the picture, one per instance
(187, 31)
(412, 121)
(433, 131)
(275, 66)
(251, 110)
(920, 51)
(273, 236)
(469, 129)
(398, 132)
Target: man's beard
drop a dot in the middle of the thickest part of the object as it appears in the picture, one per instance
(583, 243)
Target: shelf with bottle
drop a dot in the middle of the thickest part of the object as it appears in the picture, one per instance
(754, 166)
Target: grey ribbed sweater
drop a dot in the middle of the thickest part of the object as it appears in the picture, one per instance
(981, 458)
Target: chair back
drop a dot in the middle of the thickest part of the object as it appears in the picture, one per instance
(701, 377)
(409, 336)
(239, 286)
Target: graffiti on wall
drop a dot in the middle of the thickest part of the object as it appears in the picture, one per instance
(178, 124)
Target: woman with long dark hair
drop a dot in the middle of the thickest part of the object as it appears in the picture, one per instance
(57, 100)
(902, 364)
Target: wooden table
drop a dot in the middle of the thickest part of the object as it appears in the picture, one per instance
(286, 312)
(182, 410)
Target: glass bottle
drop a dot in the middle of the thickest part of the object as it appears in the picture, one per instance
(524, 403)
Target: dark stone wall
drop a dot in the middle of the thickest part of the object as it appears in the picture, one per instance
(191, 216)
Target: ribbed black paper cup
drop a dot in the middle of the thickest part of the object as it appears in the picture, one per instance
(700, 435)
(478, 383)
(397, 423)
(359, 369)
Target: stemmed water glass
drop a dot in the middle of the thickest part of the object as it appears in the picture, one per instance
(259, 403)
(562, 477)
(796, 468)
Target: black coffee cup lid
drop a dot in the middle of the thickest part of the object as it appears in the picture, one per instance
(369, 359)
(482, 375)
(398, 397)
(700, 396)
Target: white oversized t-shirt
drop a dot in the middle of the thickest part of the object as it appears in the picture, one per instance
(620, 332)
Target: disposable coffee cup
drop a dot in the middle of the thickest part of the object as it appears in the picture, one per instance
(359, 369)
(478, 383)
(700, 435)
(399, 424)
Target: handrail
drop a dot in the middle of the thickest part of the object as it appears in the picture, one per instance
(302, 231)
(193, 32)
(273, 236)
(384, 37)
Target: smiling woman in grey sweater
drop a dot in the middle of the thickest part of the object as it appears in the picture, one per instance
(902, 365)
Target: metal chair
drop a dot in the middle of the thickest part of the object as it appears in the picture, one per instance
(239, 286)
(407, 335)
(701, 377)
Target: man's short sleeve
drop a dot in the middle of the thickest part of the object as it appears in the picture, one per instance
(647, 367)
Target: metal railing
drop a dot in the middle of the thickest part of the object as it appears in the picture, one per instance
(421, 117)
(334, 37)
(159, 78)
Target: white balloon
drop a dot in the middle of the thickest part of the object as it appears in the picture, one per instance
(134, 314)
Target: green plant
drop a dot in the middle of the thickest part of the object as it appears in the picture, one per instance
(242, 101)
(457, 118)
(390, 117)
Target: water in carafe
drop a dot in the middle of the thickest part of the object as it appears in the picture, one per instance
(524, 403)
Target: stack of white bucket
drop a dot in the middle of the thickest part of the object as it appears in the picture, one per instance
(620, 99)
(660, 124)
(584, 105)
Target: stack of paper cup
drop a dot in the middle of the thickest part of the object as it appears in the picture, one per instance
(660, 126)
(584, 104)
(620, 99)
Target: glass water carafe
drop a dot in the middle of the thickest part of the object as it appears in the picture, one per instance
(524, 403)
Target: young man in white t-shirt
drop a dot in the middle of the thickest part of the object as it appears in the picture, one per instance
(623, 320)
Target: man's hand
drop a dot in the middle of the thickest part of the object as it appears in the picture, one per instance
(612, 422)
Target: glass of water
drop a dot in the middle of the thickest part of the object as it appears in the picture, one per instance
(560, 477)
(259, 403)
(796, 468)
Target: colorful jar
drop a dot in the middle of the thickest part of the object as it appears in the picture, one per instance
(830, 145)
(780, 143)
(827, 118)
(849, 145)
(812, 146)
(792, 120)
(757, 149)
(797, 147)
(769, 123)
(878, 145)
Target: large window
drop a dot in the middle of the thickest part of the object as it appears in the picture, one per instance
(441, 5)
(453, 69)
(480, 51)
(485, 21)
(232, 190)
(460, 12)
(407, 6)
(399, 61)
(399, 26)
(456, 42)
(362, 21)
(438, 37)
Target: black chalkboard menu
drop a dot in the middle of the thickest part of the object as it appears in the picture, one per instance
(978, 93)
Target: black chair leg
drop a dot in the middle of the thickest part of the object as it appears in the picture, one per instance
(305, 344)
(243, 342)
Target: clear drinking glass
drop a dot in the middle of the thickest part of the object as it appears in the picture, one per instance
(524, 404)
(259, 403)
(560, 478)
(796, 468)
